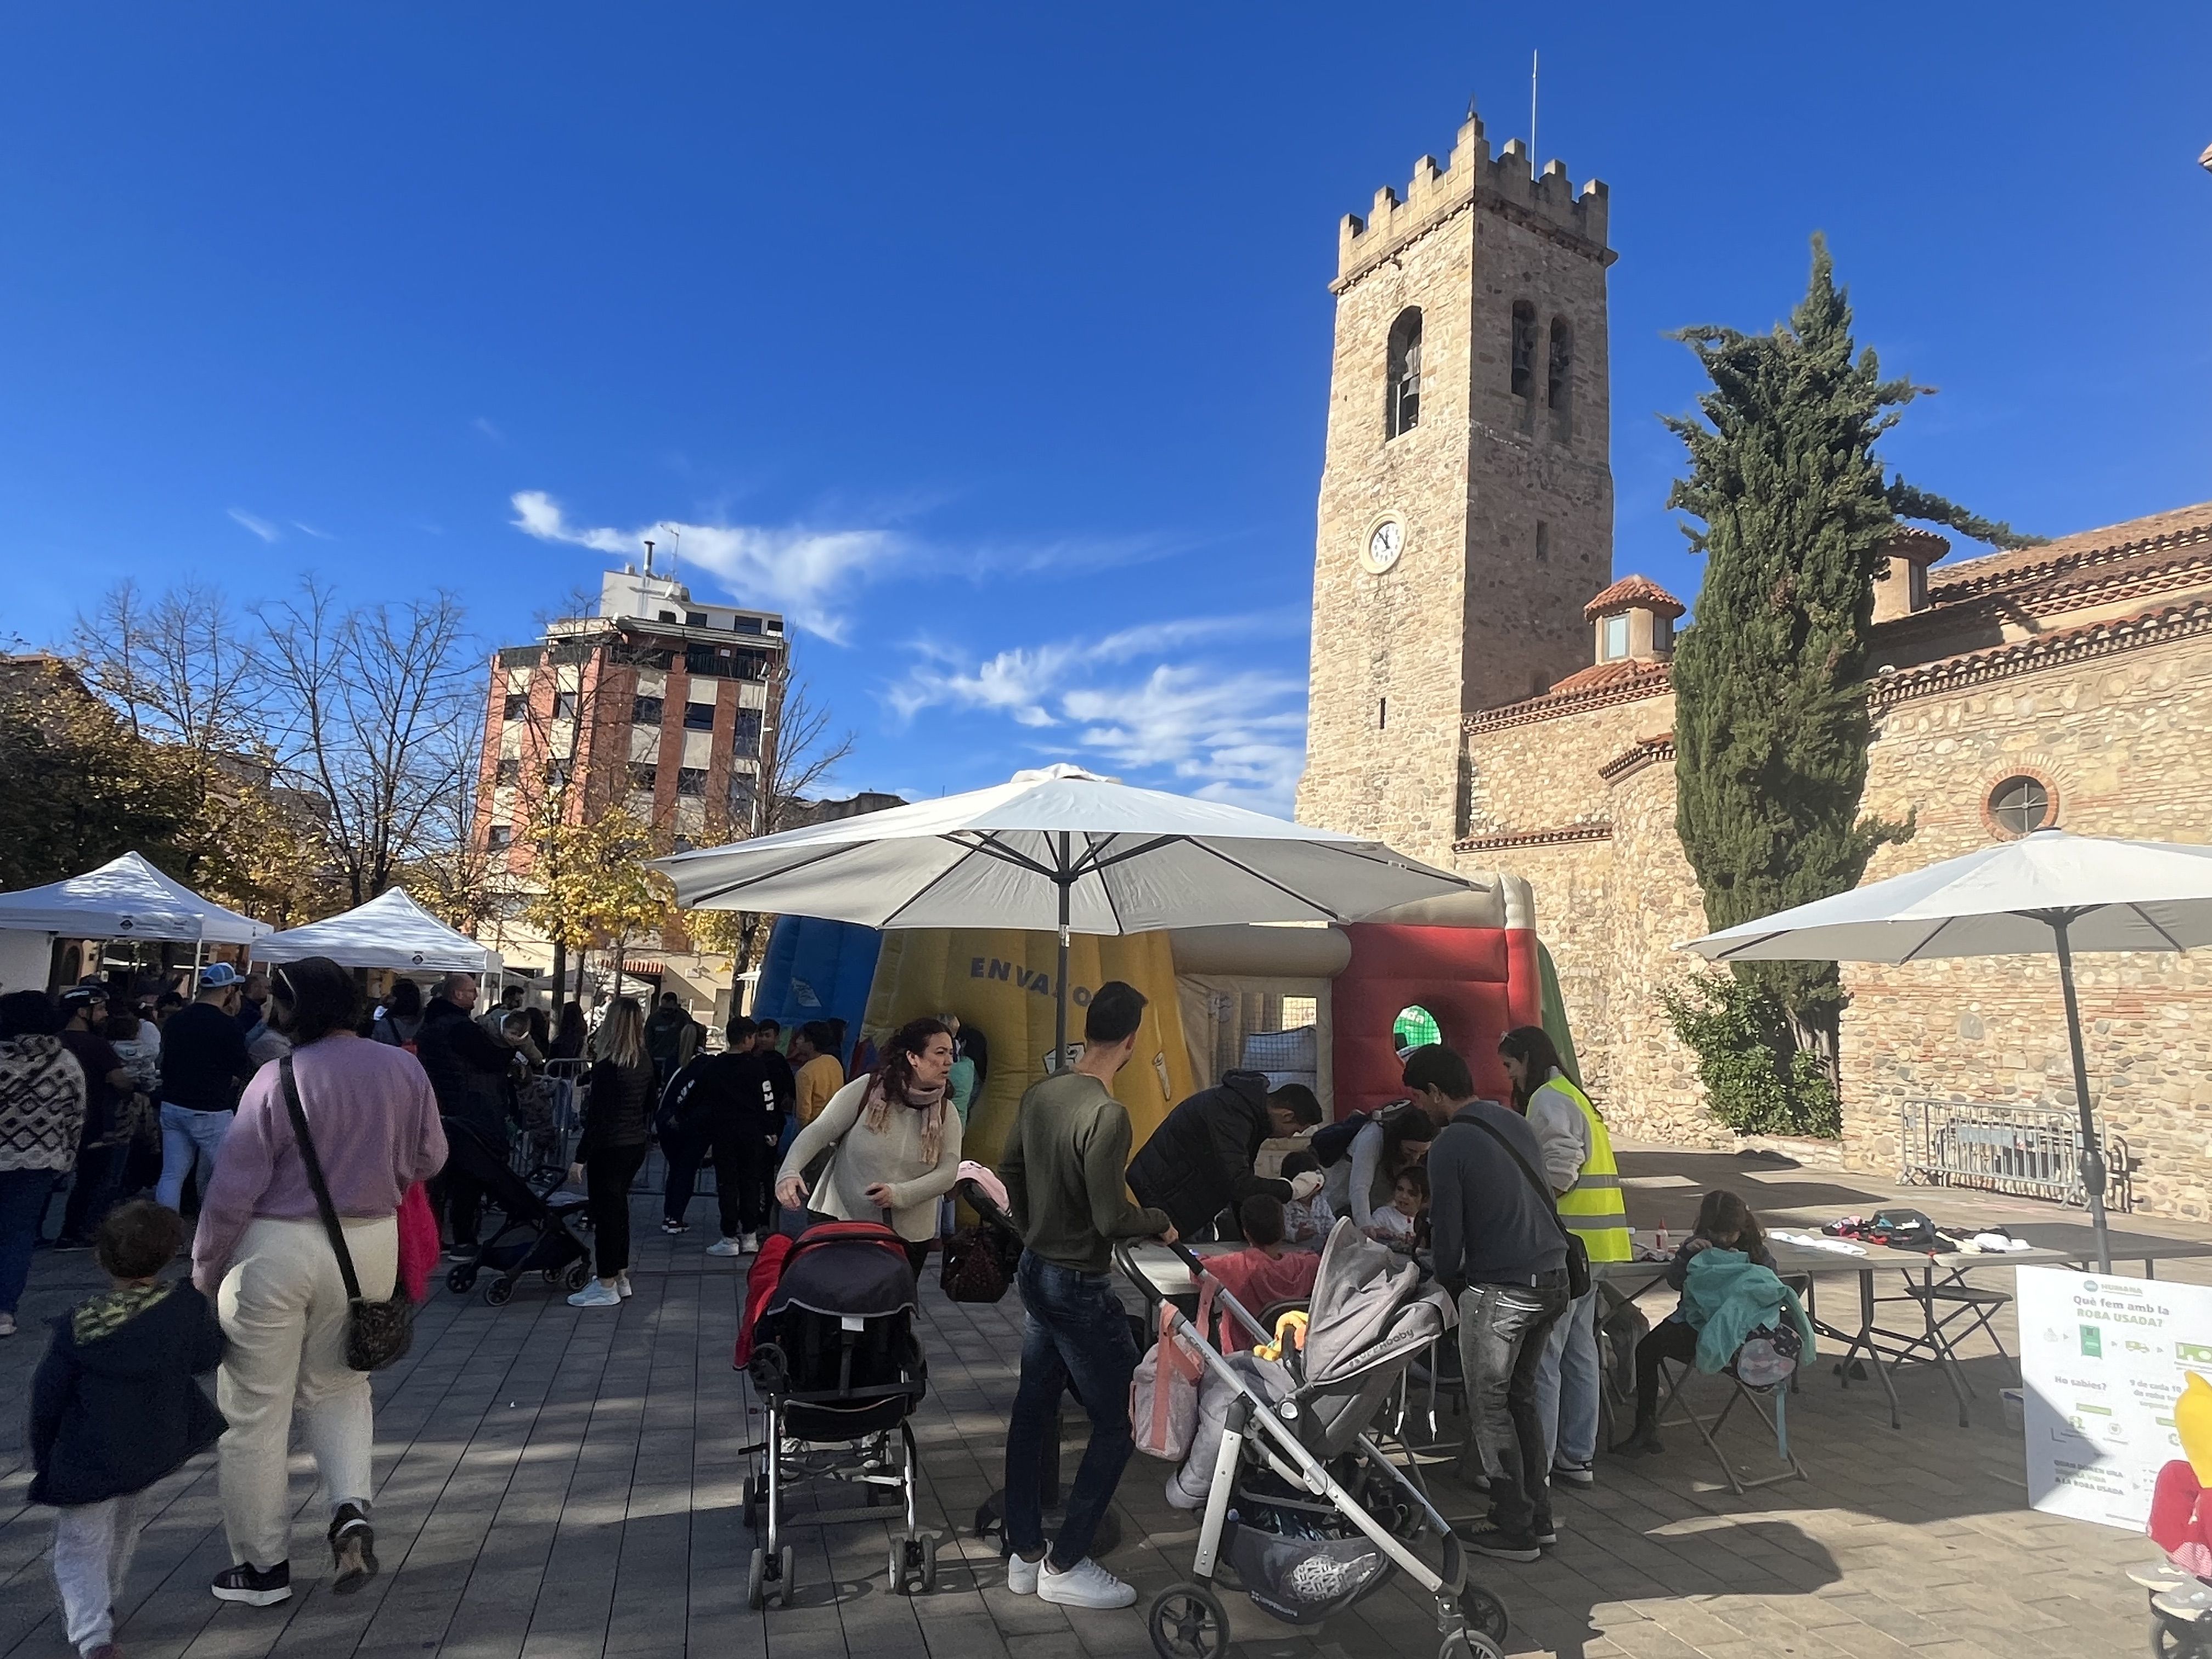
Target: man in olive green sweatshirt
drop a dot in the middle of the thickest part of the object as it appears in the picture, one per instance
(1066, 1170)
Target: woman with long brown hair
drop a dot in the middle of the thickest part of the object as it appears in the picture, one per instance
(893, 1141)
(1724, 1223)
(618, 1128)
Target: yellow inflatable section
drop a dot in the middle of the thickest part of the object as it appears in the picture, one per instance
(1001, 982)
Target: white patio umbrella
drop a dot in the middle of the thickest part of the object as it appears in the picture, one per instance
(1060, 848)
(2048, 891)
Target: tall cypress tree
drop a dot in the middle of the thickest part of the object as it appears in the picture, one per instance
(1770, 718)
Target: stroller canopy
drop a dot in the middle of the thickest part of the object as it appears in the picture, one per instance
(1364, 1303)
(847, 1269)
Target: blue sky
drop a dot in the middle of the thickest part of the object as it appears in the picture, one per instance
(991, 342)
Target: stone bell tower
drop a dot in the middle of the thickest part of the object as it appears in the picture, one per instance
(1466, 485)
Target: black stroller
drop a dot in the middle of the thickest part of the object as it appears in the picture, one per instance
(534, 1234)
(839, 1369)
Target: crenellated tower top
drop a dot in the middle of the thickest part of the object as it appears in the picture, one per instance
(1503, 183)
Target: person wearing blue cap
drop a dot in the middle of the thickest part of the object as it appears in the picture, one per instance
(204, 1064)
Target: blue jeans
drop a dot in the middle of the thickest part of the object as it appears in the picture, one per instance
(1073, 1333)
(1502, 1329)
(188, 1137)
(1566, 1389)
(23, 1195)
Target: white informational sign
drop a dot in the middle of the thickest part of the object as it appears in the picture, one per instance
(2104, 1360)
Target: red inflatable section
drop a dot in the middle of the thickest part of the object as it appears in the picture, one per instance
(1477, 982)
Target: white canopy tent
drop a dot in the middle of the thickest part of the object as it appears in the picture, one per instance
(2048, 892)
(125, 898)
(390, 931)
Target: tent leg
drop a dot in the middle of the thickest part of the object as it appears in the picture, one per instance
(2093, 1152)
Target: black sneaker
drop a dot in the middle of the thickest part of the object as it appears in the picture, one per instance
(1574, 1475)
(463, 1252)
(252, 1586)
(1503, 1546)
(1545, 1534)
(673, 1228)
(353, 1550)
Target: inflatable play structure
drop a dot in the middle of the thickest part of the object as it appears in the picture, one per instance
(1471, 964)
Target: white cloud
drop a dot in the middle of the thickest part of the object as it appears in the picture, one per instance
(487, 429)
(259, 526)
(310, 530)
(797, 569)
(1234, 734)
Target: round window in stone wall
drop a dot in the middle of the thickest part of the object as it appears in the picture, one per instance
(2019, 803)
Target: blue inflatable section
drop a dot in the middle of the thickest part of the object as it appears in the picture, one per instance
(816, 970)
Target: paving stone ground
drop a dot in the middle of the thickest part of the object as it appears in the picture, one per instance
(566, 1484)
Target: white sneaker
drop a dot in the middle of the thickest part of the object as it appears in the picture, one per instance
(727, 1247)
(1021, 1576)
(1085, 1584)
(621, 1285)
(596, 1295)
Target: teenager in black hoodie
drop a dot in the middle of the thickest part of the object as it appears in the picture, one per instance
(114, 1407)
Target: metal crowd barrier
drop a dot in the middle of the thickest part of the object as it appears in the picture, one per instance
(554, 1145)
(2031, 1152)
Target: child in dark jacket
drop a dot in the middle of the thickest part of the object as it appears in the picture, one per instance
(114, 1407)
(1724, 1220)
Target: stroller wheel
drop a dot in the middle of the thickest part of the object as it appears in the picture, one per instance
(786, 1573)
(1188, 1621)
(1469, 1644)
(1486, 1613)
(756, 1582)
(499, 1292)
(929, 1565)
(580, 1274)
(461, 1280)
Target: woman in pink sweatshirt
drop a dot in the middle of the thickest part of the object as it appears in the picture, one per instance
(263, 1254)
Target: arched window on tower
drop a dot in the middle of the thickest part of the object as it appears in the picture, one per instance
(1560, 391)
(1524, 350)
(1403, 400)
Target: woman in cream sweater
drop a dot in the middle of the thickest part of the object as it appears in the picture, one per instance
(893, 1141)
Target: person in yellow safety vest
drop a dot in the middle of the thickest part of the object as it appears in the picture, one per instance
(1578, 1163)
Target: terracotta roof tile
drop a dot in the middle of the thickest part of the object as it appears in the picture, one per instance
(1634, 591)
(2146, 535)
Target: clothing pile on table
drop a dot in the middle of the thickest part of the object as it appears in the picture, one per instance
(1908, 1229)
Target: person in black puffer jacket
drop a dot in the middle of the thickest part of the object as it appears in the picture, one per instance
(618, 1128)
(1199, 1162)
(472, 1074)
(114, 1407)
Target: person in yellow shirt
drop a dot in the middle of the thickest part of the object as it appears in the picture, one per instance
(820, 1072)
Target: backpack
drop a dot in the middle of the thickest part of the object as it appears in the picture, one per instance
(1332, 1141)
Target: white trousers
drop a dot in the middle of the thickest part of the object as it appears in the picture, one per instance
(283, 1307)
(93, 1546)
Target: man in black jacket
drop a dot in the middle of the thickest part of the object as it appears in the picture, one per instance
(1199, 1162)
(471, 1072)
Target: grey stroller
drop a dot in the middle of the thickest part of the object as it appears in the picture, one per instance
(1310, 1512)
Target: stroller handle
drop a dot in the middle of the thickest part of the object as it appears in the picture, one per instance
(1126, 1260)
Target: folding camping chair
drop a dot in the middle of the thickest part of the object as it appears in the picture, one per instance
(1709, 1424)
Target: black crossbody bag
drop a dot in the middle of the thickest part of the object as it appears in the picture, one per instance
(1578, 1262)
(377, 1332)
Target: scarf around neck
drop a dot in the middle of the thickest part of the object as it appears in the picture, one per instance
(928, 1102)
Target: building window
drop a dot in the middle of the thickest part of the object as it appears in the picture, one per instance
(556, 774)
(1524, 350)
(517, 707)
(1616, 637)
(510, 772)
(644, 711)
(1559, 383)
(694, 619)
(746, 625)
(664, 615)
(1543, 543)
(698, 717)
(643, 775)
(745, 792)
(1403, 411)
(691, 780)
(2020, 805)
(748, 736)
(564, 705)
(498, 837)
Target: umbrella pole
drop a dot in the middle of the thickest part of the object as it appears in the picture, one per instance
(2093, 1153)
(1060, 974)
